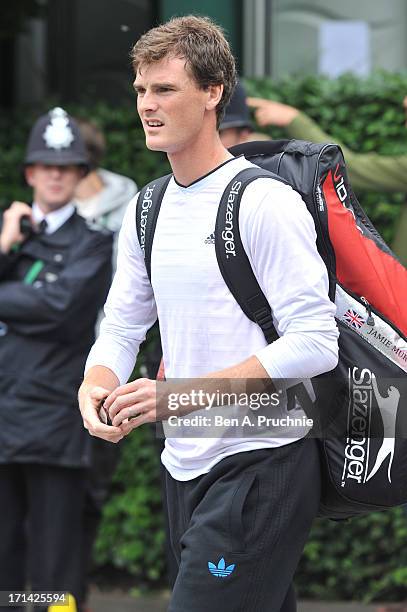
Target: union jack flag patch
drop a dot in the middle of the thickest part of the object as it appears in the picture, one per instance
(353, 318)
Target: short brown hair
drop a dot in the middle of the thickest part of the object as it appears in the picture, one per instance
(203, 45)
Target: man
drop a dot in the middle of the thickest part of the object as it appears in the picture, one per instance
(55, 272)
(241, 506)
(235, 128)
(367, 171)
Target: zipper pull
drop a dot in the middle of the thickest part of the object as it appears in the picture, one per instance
(370, 319)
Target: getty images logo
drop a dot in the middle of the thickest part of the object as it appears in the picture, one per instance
(228, 234)
(363, 387)
(145, 207)
(220, 570)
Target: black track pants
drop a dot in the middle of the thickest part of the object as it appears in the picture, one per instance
(238, 532)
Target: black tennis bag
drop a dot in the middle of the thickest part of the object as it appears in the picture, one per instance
(360, 410)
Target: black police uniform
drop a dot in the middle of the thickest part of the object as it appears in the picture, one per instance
(50, 292)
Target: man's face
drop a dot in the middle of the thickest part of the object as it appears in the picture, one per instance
(170, 104)
(54, 186)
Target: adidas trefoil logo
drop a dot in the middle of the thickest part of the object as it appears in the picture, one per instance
(210, 239)
(221, 571)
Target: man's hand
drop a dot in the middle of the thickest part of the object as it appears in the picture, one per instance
(91, 398)
(269, 112)
(146, 401)
(10, 231)
(132, 405)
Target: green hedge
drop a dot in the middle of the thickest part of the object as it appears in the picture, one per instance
(132, 536)
(364, 559)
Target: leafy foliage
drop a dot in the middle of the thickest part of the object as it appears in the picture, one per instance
(132, 532)
(364, 559)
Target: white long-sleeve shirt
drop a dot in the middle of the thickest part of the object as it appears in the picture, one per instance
(202, 327)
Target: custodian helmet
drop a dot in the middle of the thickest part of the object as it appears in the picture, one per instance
(55, 139)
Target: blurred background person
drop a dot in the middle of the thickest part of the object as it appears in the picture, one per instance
(102, 196)
(367, 171)
(55, 272)
(236, 126)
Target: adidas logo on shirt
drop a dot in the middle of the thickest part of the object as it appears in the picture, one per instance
(210, 239)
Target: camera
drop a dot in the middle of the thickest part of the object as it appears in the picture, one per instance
(26, 227)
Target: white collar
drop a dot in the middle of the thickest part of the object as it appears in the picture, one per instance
(55, 219)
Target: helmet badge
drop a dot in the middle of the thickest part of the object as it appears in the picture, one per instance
(58, 133)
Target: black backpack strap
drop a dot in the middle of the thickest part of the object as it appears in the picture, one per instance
(148, 207)
(238, 274)
(232, 259)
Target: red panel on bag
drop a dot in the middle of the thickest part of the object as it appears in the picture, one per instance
(361, 266)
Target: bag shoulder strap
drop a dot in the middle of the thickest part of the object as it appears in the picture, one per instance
(233, 262)
(148, 207)
(238, 274)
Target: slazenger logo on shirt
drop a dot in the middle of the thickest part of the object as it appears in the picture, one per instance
(228, 235)
(145, 207)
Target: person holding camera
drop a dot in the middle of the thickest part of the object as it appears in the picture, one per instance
(55, 271)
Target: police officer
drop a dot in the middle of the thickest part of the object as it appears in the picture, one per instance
(55, 271)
